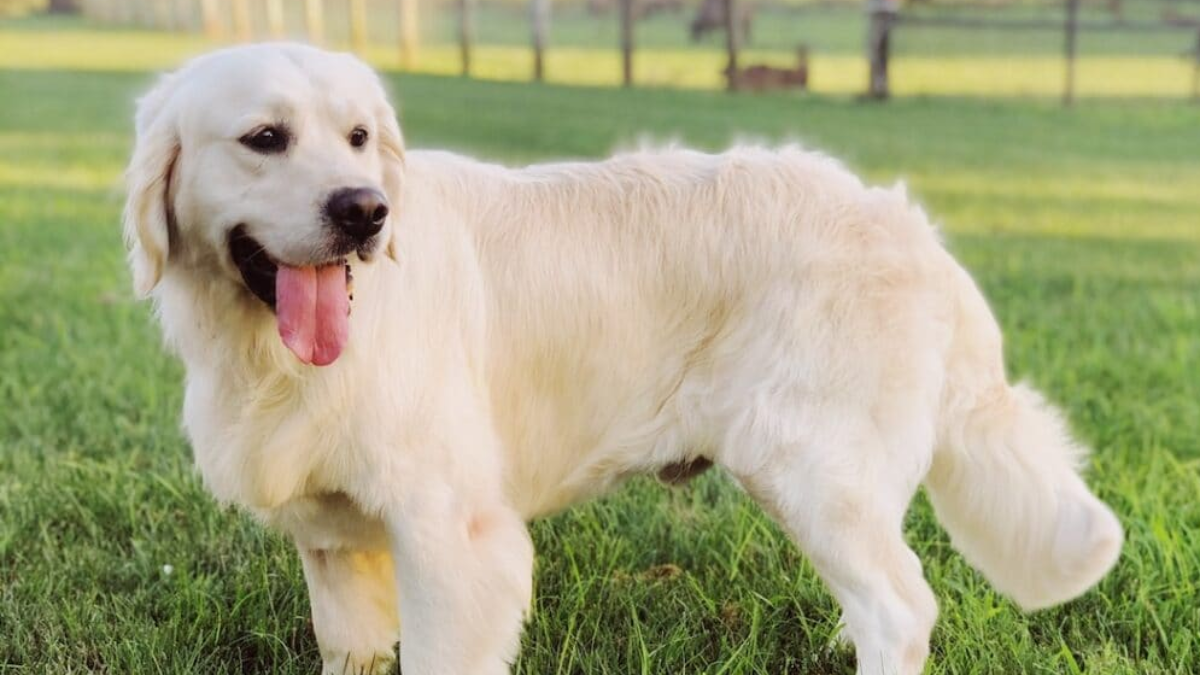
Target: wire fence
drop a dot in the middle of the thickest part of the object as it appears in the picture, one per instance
(1041, 48)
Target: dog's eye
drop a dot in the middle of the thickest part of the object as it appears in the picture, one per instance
(358, 137)
(266, 140)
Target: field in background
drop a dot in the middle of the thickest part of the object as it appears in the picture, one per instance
(583, 50)
(1081, 226)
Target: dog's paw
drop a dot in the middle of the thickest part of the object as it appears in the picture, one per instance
(345, 663)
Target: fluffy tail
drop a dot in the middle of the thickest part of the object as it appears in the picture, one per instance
(1005, 479)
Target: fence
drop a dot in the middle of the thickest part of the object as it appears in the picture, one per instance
(737, 44)
(1011, 17)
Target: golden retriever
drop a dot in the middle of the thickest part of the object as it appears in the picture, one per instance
(399, 358)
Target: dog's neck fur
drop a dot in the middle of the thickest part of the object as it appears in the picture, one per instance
(246, 393)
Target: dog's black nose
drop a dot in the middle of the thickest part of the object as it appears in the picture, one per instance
(358, 212)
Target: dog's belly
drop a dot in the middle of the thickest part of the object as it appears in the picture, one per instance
(550, 467)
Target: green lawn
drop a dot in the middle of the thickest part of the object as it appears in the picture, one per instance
(1083, 227)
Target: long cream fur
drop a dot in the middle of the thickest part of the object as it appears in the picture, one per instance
(528, 338)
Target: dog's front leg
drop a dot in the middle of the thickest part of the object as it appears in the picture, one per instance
(353, 598)
(465, 576)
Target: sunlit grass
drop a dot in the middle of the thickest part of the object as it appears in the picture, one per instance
(1082, 226)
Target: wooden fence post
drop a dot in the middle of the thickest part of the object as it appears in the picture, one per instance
(409, 34)
(162, 15)
(181, 12)
(314, 20)
(358, 26)
(241, 21)
(213, 27)
(178, 18)
(1070, 27)
(466, 34)
(539, 16)
(275, 23)
(881, 17)
(732, 35)
(626, 12)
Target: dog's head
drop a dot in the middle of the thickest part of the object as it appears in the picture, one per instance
(273, 166)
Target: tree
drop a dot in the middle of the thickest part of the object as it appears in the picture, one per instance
(20, 7)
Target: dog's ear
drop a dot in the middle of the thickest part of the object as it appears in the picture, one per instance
(148, 181)
(391, 146)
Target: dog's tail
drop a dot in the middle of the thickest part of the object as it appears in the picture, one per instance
(1005, 478)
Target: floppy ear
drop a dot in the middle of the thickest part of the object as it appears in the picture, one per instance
(148, 181)
(391, 146)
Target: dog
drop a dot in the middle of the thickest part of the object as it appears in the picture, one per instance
(399, 358)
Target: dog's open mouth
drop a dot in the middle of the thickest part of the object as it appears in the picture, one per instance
(311, 303)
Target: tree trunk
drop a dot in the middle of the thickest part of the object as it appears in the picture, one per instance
(882, 16)
(275, 24)
(409, 34)
(539, 11)
(466, 34)
(1071, 27)
(314, 20)
(626, 7)
(358, 26)
(161, 11)
(241, 20)
(732, 33)
(63, 7)
(211, 18)
(1196, 71)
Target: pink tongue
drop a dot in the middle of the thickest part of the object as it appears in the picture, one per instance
(312, 310)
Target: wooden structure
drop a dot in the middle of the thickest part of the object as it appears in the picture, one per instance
(732, 42)
(539, 20)
(466, 34)
(884, 20)
(1070, 30)
(881, 17)
(314, 20)
(358, 25)
(409, 34)
(761, 78)
(223, 20)
(626, 14)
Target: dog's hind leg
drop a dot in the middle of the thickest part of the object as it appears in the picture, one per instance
(353, 598)
(842, 498)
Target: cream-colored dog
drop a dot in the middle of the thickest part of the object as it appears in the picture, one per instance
(516, 340)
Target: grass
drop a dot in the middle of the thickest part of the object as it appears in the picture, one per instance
(1082, 227)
